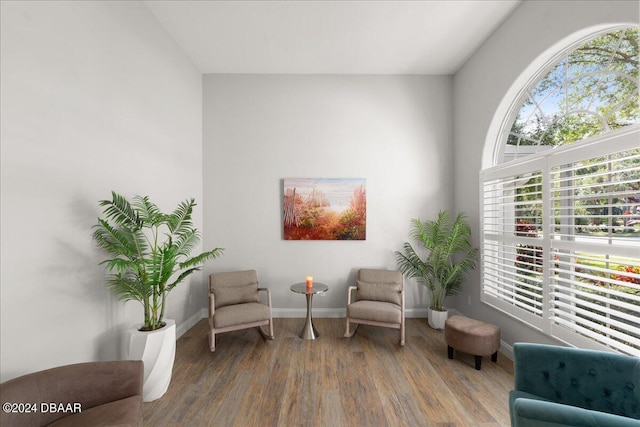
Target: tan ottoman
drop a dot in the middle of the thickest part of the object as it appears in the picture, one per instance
(473, 337)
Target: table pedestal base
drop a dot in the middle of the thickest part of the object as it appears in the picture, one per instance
(309, 331)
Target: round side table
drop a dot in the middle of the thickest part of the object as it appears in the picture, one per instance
(309, 332)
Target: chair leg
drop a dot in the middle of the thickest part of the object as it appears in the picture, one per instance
(212, 341)
(402, 335)
(349, 334)
(272, 334)
(450, 352)
(267, 335)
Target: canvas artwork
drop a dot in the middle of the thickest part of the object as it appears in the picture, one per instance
(325, 209)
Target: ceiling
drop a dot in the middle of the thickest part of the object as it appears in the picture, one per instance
(330, 37)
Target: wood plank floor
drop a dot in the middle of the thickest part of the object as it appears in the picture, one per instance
(367, 380)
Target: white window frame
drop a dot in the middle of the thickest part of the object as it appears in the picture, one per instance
(612, 142)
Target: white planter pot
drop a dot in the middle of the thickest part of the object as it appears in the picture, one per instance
(157, 349)
(437, 318)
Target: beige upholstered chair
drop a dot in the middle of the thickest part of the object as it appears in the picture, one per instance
(234, 304)
(379, 301)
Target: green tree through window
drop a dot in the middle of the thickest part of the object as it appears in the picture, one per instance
(591, 90)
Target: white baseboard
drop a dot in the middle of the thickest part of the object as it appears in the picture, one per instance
(288, 313)
(329, 313)
(297, 313)
(333, 313)
(506, 349)
(415, 313)
(190, 322)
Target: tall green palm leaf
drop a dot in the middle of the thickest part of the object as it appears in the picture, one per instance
(148, 249)
(449, 255)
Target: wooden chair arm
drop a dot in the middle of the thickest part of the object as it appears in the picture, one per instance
(350, 290)
(212, 305)
(268, 295)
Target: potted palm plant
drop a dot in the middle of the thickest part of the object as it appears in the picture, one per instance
(449, 257)
(149, 255)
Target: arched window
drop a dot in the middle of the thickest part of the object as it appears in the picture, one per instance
(561, 212)
(590, 90)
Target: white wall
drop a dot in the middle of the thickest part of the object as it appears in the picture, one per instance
(479, 88)
(395, 131)
(95, 96)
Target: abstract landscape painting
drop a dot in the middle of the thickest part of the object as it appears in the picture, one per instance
(325, 209)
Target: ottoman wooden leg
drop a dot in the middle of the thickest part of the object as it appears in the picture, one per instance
(494, 357)
(450, 352)
(478, 362)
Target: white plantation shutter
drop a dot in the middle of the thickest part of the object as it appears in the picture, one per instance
(560, 250)
(512, 255)
(594, 291)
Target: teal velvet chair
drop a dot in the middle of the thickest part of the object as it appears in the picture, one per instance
(562, 386)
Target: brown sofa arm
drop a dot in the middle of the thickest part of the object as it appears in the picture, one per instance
(87, 384)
